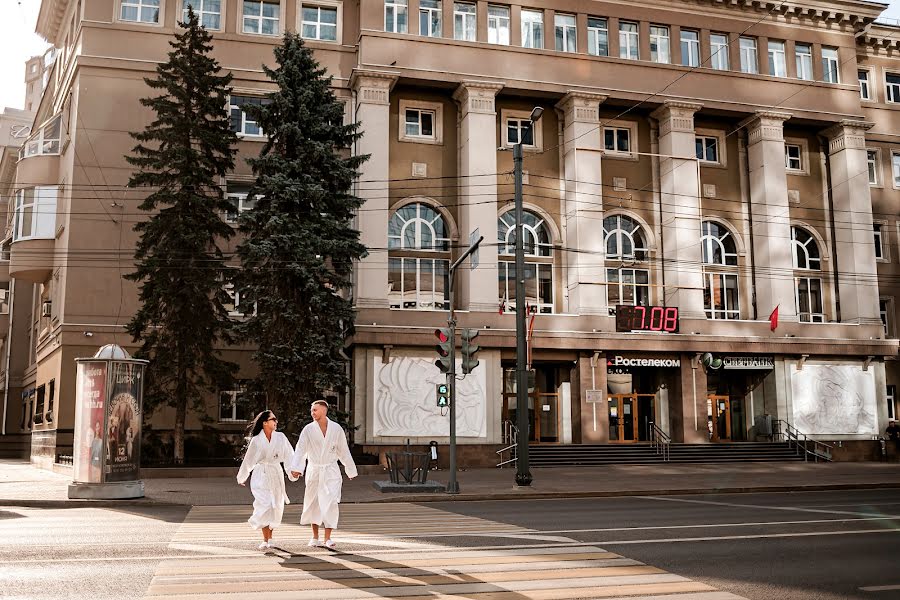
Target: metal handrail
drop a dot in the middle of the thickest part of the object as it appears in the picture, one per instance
(511, 438)
(661, 441)
(795, 438)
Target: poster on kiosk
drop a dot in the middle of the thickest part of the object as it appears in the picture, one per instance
(108, 416)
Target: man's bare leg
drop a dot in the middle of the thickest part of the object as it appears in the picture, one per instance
(267, 534)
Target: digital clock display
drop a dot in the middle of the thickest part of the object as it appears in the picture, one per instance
(647, 318)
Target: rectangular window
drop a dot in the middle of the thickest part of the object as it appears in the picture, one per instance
(4, 298)
(241, 122)
(628, 40)
(777, 61)
(419, 283)
(628, 286)
(519, 131)
(865, 86)
(707, 148)
(884, 307)
(598, 37)
(793, 157)
(718, 46)
(319, 23)
(749, 56)
(804, 61)
(532, 29)
(419, 123)
(872, 164)
(140, 11)
(395, 16)
(45, 140)
(35, 216)
(891, 397)
(721, 296)
(808, 294)
(830, 65)
(659, 44)
(430, 18)
(51, 397)
(617, 139)
(690, 48)
(892, 83)
(236, 405)
(261, 17)
(895, 168)
(464, 21)
(498, 25)
(565, 32)
(39, 404)
(538, 286)
(879, 241)
(237, 195)
(209, 12)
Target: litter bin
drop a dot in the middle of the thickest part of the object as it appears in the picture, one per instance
(408, 467)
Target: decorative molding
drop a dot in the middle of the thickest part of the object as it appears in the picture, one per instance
(676, 117)
(849, 134)
(477, 97)
(765, 125)
(581, 107)
(373, 87)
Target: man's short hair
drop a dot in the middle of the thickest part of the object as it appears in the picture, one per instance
(321, 403)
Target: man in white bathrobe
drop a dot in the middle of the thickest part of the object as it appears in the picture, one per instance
(321, 445)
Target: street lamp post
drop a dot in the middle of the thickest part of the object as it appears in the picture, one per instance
(523, 474)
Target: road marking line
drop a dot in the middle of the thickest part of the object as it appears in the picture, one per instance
(788, 508)
(880, 588)
(745, 537)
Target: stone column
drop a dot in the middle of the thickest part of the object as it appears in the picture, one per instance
(679, 185)
(772, 250)
(477, 290)
(594, 417)
(582, 151)
(857, 282)
(689, 415)
(370, 289)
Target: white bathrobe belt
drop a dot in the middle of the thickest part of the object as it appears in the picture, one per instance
(325, 464)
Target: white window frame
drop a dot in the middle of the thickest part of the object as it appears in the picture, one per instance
(243, 205)
(632, 140)
(233, 396)
(892, 89)
(43, 142)
(690, 48)
(895, 169)
(811, 316)
(619, 284)
(322, 4)
(719, 137)
(719, 52)
(532, 23)
(797, 246)
(568, 25)
(498, 25)
(507, 115)
(596, 33)
(41, 208)
(730, 311)
(202, 12)
(538, 254)
(873, 164)
(831, 65)
(423, 300)
(243, 16)
(396, 8)
(465, 21)
(509, 286)
(749, 55)
(804, 156)
(890, 395)
(869, 96)
(880, 231)
(777, 58)
(140, 5)
(803, 56)
(428, 13)
(660, 46)
(629, 40)
(437, 110)
(4, 297)
(244, 119)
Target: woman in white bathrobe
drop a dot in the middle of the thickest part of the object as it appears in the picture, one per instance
(268, 452)
(321, 445)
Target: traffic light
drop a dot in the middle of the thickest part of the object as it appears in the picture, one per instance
(469, 350)
(443, 395)
(443, 348)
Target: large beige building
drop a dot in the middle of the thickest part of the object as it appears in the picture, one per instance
(698, 164)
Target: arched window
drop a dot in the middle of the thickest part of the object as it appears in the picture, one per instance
(418, 259)
(807, 290)
(721, 295)
(538, 245)
(627, 278)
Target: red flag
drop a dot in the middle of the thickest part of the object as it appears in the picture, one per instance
(773, 319)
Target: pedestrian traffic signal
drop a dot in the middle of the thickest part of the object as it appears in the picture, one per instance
(443, 395)
(444, 347)
(469, 350)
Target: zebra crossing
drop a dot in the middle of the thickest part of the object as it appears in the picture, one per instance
(396, 551)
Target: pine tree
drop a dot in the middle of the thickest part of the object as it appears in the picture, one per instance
(298, 243)
(182, 156)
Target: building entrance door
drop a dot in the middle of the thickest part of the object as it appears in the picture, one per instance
(629, 417)
(544, 416)
(719, 412)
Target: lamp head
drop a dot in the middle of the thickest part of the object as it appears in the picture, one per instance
(536, 113)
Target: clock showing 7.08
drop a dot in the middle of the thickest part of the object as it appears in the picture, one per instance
(647, 318)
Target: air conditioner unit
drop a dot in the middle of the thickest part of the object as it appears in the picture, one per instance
(46, 308)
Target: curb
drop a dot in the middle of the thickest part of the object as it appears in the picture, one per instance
(512, 494)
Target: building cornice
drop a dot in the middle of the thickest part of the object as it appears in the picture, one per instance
(50, 19)
(858, 14)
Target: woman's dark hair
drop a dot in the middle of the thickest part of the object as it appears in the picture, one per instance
(256, 424)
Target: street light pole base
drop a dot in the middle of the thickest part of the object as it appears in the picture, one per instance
(523, 479)
(453, 487)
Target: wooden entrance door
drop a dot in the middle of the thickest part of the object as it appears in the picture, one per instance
(629, 417)
(720, 414)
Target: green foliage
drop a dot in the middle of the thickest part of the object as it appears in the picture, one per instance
(298, 243)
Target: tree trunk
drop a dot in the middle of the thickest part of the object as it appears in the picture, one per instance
(180, 412)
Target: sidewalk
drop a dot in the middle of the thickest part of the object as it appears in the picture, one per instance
(23, 485)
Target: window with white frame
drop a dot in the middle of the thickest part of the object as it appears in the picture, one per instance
(805, 250)
(565, 32)
(865, 84)
(878, 238)
(690, 48)
(629, 40)
(892, 87)
(598, 36)
(777, 61)
(238, 405)
(749, 55)
(498, 25)
(659, 44)
(209, 12)
(532, 29)
(718, 46)
(891, 397)
(35, 216)
(236, 303)
(418, 259)
(721, 294)
(872, 167)
(261, 17)
(807, 289)
(808, 296)
(45, 140)
(238, 196)
(707, 147)
(241, 122)
(626, 253)
(803, 53)
(520, 130)
(830, 65)
(617, 139)
(464, 21)
(319, 23)
(395, 16)
(140, 11)
(895, 168)
(4, 298)
(538, 262)
(419, 123)
(430, 17)
(793, 157)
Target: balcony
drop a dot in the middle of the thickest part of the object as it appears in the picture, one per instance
(38, 168)
(31, 259)
(34, 234)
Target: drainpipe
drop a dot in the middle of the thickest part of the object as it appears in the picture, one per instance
(743, 157)
(826, 166)
(7, 351)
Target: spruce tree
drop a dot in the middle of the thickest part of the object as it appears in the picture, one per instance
(182, 156)
(298, 244)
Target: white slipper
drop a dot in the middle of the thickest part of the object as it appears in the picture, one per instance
(330, 544)
(314, 543)
(272, 543)
(263, 546)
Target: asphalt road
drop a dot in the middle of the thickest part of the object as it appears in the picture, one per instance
(793, 546)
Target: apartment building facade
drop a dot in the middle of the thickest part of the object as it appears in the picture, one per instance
(698, 170)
